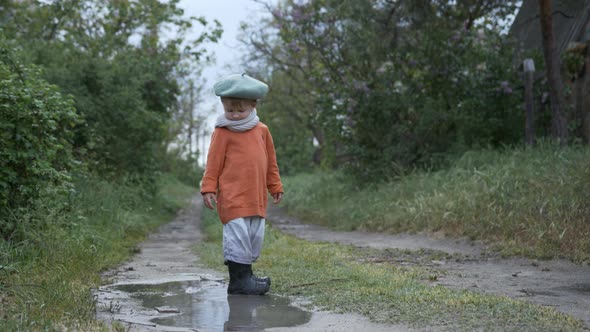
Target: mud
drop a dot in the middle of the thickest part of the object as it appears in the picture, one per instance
(164, 288)
(462, 264)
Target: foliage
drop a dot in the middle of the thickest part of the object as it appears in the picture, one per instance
(186, 170)
(456, 94)
(527, 201)
(188, 126)
(120, 67)
(291, 131)
(387, 86)
(123, 130)
(122, 70)
(91, 94)
(105, 119)
(36, 137)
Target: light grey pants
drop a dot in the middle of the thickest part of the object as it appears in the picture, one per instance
(242, 239)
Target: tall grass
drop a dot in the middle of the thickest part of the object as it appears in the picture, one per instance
(526, 201)
(46, 279)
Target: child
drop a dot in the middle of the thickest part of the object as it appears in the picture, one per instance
(241, 168)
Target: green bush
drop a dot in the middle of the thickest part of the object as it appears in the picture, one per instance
(36, 135)
(118, 98)
(186, 170)
(454, 93)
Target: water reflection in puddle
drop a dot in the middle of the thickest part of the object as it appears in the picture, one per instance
(206, 305)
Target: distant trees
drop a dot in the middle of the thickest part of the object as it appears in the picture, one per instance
(384, 86)
(95, 84)
(112, 57)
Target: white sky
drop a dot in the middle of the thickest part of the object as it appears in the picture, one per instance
(230, 13)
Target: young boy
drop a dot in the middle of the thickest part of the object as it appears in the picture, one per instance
(241, 168)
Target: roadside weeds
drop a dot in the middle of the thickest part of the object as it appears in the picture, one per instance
(334, 277)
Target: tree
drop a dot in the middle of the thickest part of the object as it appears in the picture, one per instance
(36, 135)
(189, 120)
(123, 73)
(559, 128)
(383, 86)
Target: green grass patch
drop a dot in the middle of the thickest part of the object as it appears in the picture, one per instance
(532, 202)
(46, 279)
(335, 277)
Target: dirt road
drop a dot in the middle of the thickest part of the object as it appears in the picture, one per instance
(164, 288)
(556, 283)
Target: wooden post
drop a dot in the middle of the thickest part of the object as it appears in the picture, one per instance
(585, 107)
(529, 72)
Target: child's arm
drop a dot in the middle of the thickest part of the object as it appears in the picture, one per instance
(209, 199)
(273, 178)
(215, 163)
(277, 197)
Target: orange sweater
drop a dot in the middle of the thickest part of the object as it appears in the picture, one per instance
(241, 167)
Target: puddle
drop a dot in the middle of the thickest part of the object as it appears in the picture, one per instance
(206, 306)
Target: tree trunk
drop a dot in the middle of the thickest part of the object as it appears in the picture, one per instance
(558, 119)
(191, 120)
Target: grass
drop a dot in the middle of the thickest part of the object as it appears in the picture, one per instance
(338, 278)
(46, 279)
(532, 202)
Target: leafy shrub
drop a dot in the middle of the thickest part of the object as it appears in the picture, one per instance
(36, 123)
(453, 93)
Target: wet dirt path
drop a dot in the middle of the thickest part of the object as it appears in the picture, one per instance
(164, 288)
(556, 283)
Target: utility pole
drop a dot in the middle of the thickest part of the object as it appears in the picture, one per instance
(529, 73)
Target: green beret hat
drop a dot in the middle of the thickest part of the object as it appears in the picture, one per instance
(240, 86)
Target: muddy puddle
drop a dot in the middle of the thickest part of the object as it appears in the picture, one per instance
(204, 306)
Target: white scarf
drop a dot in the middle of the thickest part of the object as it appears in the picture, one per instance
(245, 124)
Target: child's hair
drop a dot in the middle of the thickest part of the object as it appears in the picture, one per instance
(238, 102)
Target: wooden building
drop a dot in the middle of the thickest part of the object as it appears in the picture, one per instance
(571, 26)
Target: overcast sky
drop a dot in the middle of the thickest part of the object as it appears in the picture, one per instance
(230, 13)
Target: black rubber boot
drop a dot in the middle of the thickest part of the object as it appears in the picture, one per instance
(241, 281)
(265, 280)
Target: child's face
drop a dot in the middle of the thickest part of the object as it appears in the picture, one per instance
(237, 111)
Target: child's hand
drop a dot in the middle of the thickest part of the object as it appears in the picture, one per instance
(209, 199)
(276, 198)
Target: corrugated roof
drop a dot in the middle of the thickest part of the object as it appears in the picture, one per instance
(571, 20)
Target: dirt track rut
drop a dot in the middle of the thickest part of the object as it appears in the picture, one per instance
(556, 283)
